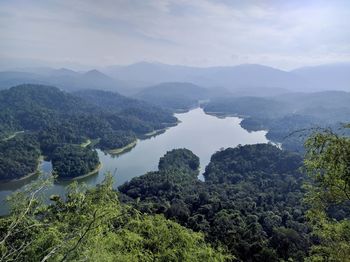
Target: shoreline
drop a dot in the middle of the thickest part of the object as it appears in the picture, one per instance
(154, 132)
(92, 172)
(224, 115)
(241, 117)
(86, 143)
(159, 131)
(37, 171)
(12, 136)
(120, 150)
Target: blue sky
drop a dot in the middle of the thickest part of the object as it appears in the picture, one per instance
(283, 34)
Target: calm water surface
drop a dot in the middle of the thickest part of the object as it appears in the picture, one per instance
(201, 133)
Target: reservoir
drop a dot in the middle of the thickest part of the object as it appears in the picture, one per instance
(201, 133)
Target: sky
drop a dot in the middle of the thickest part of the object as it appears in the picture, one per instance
(278, 33)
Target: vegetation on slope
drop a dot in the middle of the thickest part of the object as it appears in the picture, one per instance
(19, 156)
(327, 163)
(251, 205)
(55, 119)
(92, 225)
(250, 202)
(289, 118)
(174, 96)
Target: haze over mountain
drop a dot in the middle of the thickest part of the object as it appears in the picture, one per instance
(174, 95)
(327, 77)
(234, 77)
(63, 78)
(229, 142)
(245, 76)
(241, 80)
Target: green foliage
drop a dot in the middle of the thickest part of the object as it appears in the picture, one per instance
(132, 108)
(289, 118)
(179, 159)
(231, 164)
(19, 156)
(250, 202)
(55, 118)
(74, 160)
(174, 96)
(327, 163)
(92, 225)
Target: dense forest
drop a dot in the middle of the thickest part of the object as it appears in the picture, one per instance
(174, 131)
(250, 202)
(289, 118)
(174, 96)
(256, 204)
(92, 225)
(38, 120)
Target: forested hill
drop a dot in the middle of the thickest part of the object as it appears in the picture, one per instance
(289, 118)
(48, 117)
(174, 95)
(93, 226)
(116, 103)
(250, 202)
(255, 205)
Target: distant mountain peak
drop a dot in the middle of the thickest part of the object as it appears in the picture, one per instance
(63, 71)
(93, 71)
(97, 74)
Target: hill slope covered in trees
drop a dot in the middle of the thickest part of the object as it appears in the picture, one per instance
(38, 120)
(289, 118)
(250, 202)
(92, 225)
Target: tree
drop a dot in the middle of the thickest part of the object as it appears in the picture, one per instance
(92, 225)
(328, 164)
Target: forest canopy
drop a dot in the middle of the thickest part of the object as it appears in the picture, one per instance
(39, 120)
(92, 225)
(250, 201)
(289, 118)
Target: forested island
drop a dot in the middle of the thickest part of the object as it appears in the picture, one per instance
(42, 120)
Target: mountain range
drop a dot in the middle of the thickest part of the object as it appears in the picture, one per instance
(241, 80)
(63, 78)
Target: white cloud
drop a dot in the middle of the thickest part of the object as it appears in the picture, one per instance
(198, 32)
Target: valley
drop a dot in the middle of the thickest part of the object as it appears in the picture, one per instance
(175, 131)
(201, 133)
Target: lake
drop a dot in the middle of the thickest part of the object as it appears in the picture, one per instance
(201, 133)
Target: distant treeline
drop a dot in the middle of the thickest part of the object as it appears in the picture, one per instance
(289, 118)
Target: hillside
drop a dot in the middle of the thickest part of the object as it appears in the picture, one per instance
(327, 77)
(232, 78)
(250, 201)
(43, 119)
(92, 225)
(63, 78)
(244, 79)
(175, 96)
(289, 118)
(116, 103)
